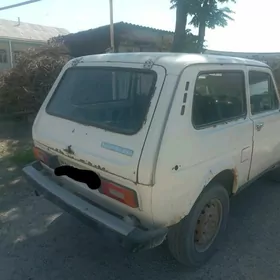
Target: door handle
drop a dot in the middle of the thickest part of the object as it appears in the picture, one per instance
(259, 126)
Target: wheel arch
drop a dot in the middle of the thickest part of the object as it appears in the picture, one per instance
(227, 178)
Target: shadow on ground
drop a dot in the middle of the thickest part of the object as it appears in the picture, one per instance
(15, 142)
(40, 242)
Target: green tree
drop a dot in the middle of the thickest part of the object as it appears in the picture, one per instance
(207, 14)
(204, 14)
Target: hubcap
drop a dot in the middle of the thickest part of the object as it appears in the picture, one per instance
(208, 225)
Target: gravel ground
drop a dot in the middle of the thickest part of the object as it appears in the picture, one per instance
(40, 242)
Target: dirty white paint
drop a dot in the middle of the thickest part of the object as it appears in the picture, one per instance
(177, 161)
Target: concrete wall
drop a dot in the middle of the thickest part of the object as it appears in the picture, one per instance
(17, 46)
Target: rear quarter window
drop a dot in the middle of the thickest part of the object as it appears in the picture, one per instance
(219, 96)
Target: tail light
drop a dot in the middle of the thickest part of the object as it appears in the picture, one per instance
(40, 155)
(48, 159)
(124, 195)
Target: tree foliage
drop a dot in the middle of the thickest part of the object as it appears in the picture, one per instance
(203, 14)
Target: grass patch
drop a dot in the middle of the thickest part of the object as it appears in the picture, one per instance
(22, 157)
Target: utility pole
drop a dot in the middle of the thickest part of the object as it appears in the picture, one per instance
(112, 27)
(18, 5)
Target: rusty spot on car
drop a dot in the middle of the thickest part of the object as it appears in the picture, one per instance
(66, 153)
(99, 167)
(69, 150)
(76, 61)
(176, 167)
(84, 162)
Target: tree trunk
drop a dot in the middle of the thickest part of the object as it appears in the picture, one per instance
(201, 36)
(179, 40)
(202, 25)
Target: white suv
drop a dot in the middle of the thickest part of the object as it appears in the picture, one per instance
(171, 136)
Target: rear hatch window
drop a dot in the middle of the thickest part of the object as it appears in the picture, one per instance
(115, 99)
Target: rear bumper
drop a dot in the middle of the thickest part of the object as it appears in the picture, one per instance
(132, 238)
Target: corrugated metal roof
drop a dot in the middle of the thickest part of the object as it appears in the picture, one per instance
(142, 27)
(28, 31)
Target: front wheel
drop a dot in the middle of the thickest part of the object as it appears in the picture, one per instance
(194, 240)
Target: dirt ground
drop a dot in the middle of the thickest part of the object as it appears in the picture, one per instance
(40, 242)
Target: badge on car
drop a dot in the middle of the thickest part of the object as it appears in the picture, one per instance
(117, 149)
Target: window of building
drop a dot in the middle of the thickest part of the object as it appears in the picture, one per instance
(16, 55)
(263, 95)
(3, 56)
(218, 97)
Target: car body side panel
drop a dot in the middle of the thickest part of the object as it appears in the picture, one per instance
(190, 158)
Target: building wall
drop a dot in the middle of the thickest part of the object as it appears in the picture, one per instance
(142, 40)
(130, 47)
(17, 47)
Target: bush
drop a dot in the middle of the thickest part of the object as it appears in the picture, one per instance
(24, 88)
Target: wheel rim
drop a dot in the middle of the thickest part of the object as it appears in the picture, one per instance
(208, 225)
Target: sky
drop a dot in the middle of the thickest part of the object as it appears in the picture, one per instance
(254, 29)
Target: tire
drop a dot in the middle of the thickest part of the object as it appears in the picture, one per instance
(184, 238)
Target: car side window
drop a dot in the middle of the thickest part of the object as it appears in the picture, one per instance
(219, 96)
(263, 96)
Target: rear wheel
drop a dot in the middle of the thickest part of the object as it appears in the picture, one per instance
(194, 240)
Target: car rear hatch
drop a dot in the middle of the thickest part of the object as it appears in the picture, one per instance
(99, 114)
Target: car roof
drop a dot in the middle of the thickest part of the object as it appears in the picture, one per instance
(177, 61)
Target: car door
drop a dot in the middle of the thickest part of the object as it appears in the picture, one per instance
(213, 128)
(264, 112)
